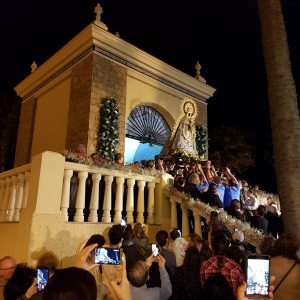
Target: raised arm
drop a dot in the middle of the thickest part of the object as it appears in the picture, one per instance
(200, 170)
(230, 175)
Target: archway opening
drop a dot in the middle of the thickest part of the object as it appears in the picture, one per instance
(146, 133)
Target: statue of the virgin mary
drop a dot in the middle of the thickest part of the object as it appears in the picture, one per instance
(183, 136)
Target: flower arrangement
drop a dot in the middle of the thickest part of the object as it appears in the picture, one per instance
(99, 161)
(201, 140)
(180, 154)
(108, 129)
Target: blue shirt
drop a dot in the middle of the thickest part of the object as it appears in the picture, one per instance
(202, 185)
(231, 192)
(221, 191)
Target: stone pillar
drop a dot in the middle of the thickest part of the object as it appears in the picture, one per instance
(80, 200)
(65, 198)
(94, 205)
(26, 189)
(79, 104)
(185, 220)
(150, 209)
(108, 79)
(174, 221)
(130, 200)
(197, 224)
(140, 201)
(106, 218)
(20, 192)
(119, 199)
(25, 132)
(3, 211)
(12, 199)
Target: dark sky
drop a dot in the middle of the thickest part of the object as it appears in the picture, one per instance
(222, 34)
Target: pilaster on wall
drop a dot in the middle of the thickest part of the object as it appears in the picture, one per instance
(79, 106)
(25, 131)
(109, 79)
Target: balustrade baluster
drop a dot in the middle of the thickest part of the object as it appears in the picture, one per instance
(185, 220)
(140, 201)
(119, 199)
(150, 208)
(20, 191)
(5, 199)
(12, 199)
(197, 223)
(2, 192)
(80, 199)
(94, 204)
(106, 218)
(174, 221)
(130, 200)
(26, 189)
(65, 197)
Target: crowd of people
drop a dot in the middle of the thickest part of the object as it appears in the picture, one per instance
(181, 268)
(190, 268)
(221, 189)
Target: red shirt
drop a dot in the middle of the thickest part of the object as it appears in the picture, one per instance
(230, 270)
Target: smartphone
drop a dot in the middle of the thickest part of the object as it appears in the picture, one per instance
(107, 256)
(258, 275)
(42, 277)
(155, 250)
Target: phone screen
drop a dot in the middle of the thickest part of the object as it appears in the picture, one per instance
(155, 249)
(108, 256)
(42, 277)
(258, 274)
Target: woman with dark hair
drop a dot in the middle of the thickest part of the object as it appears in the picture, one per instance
(259, 221)
(186, 277)
(216, 227)
(216, 287)
(71, 284)
(285, 268)
(128, 235)
(235, 210)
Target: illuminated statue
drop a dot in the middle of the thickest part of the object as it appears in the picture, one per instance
(184, 133)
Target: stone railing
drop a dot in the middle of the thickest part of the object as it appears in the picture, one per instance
(14, 186)
(110, 184)
(200, 209)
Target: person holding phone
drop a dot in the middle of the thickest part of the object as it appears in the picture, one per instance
(138, 276)
(115, 290)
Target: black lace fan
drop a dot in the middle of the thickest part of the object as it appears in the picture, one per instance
(147, 125)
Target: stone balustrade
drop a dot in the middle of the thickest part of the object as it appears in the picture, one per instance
(123, 195)
(14, 186)
(199, 209)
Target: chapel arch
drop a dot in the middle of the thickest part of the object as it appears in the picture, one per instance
(149, 123)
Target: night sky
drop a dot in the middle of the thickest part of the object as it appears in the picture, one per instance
(223, 35)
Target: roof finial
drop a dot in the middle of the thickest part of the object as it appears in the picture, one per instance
(98, 12)
(117, 34)
(33, 67)
(198, 68)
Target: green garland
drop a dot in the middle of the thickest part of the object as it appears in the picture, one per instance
(201, 140)
(108, 129)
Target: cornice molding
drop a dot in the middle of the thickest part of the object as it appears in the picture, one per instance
(112, 47)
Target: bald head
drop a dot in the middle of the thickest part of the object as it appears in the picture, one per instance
(7, 267)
